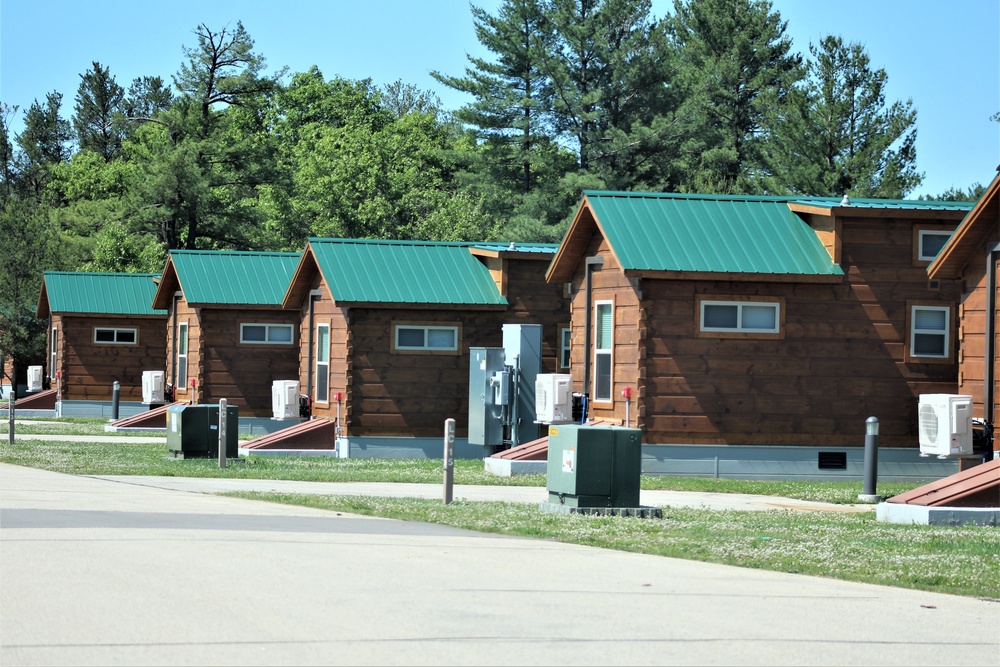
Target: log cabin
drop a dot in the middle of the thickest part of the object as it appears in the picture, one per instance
(226, 333)
(971, 256)
(759, 321)
(386, 326)
(102, 328)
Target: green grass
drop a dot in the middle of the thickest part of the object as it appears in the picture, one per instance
(115, 457)
(960, 560)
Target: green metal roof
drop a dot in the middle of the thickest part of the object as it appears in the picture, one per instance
(404, 272)
(233, 277)
(101, 293)
(709, 234)
(822, 202)
(535, 248)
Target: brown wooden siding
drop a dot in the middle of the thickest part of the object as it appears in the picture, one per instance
(840, 358)
(243, 373)
(972, 330)
(389, 393)
(88, 370)
(181, 312)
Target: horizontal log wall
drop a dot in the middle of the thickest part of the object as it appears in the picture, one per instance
(326, 311)
(89, 370)
(841, 356)
(239, 372)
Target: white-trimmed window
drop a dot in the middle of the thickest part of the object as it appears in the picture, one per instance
(930, 242)
(54, 353)
(604, 339)
(413, 337)
(929, 331)
(114, 336)
(565, 343)
(267, 334)
(759, 317)
(182, 356)
(322, 363)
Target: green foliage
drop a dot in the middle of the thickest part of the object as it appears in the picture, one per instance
(839, 135)
(972, 193)
(98, 105)
(118, 250)
(735, 64)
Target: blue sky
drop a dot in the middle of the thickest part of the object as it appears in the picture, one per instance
(944, 55)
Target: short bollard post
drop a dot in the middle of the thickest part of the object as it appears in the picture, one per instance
(223, 404)
(116, 392)
(449, 459)
(10, 413)
(868, 494)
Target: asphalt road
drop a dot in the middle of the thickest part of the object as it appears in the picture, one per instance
(100, 572)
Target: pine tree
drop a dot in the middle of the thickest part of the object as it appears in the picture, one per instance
(736, 63)
(98, 103)
(837, 134)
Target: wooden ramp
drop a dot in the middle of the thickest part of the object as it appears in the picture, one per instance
(537, 450)
(45, 400)
(312, 434)
(978, 486)
(154, 418)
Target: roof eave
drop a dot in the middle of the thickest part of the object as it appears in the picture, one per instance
(955, 253)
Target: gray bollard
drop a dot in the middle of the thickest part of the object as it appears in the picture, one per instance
(223, 410)
(116, 392)
(449, 460)
(10, 413)
(868, 494)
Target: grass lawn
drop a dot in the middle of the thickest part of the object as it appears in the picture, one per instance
(960, 560)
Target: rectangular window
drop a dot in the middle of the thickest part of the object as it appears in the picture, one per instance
(430, 338)
(266, 334)
(929, 331)
(604, 338)
(110, 336)
(322, 363)
(565, 341)
(930, 242)
(182, 356)
(740, 316)
(53, 354)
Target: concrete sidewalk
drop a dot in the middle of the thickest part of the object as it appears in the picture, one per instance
(99, 572)
(512, 494)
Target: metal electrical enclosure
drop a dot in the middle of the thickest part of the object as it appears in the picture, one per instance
(193, 431)
(522, 344)
(502, 388)
(594, 466)
(485, 424)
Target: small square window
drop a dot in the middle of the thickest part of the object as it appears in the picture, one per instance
(930, 243)
(929, 331)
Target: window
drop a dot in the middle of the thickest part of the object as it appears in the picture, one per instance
(266, 334)
(322, 363)
(410, 337)
(740, 316)
(930, 242)
(604, 335)
(115, 336)
(565, 341)
(929, 328)
(182, 356)
(53, 354)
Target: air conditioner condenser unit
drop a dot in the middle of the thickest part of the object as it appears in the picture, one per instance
(945, 424)
(34, 379)
(153, 387)
(554, 398)
(285, 399)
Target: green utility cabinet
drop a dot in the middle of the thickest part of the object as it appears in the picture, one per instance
(193, 431)
(594, 466)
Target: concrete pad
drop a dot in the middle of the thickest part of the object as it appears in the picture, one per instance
(937, 516)
(97, 572)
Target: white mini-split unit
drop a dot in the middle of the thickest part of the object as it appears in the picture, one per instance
(945, 425)
(553, 398)
(153, 386)
(34, 379)
(285, 399)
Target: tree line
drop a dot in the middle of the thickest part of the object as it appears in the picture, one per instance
(575, 94)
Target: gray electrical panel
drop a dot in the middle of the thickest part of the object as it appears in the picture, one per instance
(485, 396)
(502, 388)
